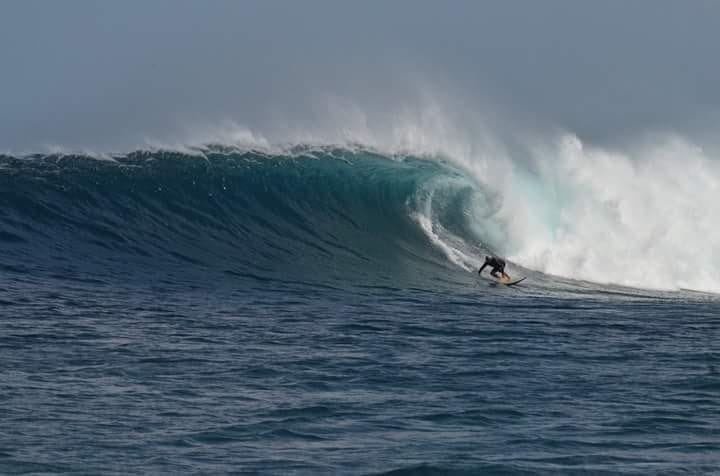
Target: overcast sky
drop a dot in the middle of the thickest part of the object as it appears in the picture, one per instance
(108, 74)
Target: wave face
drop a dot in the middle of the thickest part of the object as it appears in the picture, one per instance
(321, 214)
(334, 214)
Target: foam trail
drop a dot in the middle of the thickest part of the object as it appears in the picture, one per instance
(452, 246)
(454, 255)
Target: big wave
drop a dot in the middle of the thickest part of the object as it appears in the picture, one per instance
(338, 213)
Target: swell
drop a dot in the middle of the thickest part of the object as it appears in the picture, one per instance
(324, 214)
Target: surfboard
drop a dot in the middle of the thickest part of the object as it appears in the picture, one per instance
(511, 282)
(497, 282)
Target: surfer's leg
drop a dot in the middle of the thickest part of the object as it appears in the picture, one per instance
(503, 273)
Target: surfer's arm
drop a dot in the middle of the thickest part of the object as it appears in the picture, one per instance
(481, 268)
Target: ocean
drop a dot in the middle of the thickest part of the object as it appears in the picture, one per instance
(317, 310)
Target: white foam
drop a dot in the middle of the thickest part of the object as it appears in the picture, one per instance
(425, 215)
(645, 218)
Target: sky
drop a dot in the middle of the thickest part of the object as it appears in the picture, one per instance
(111, 75)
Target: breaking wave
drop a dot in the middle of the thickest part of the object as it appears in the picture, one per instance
(356, 213)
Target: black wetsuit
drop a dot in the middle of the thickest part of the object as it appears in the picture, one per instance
(497, 265)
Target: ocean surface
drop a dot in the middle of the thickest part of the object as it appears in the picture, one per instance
(318, 311)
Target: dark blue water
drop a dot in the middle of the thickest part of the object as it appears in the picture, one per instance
(244, 313)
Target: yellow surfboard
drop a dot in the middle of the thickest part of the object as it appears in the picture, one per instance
(511, 282)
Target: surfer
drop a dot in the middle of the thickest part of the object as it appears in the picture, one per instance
(497, 265)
